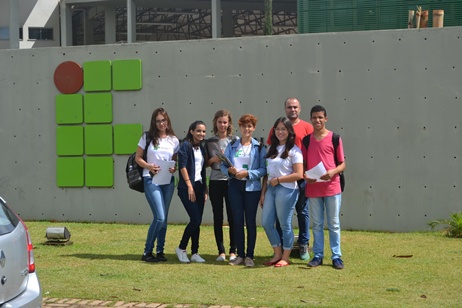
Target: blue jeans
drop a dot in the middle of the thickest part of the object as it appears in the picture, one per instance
(159, 198)
(331, 205)
(195, 211)
(303, 217)
(279, 206)
(244, 205)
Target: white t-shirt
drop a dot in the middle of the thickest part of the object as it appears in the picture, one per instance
(198, 163)
(242, 158)
(164, 151)
(280, 167)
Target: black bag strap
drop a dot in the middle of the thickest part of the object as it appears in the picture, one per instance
(148, 141)
(306, 141)
(335, 143)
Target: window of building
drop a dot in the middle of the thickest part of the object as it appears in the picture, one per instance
(40, 33)
(4, 33)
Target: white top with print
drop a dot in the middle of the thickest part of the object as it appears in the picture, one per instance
(164, 151)
(278, 167)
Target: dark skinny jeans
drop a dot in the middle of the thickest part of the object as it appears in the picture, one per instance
(218, 191)
(244, 206)
(195, 211)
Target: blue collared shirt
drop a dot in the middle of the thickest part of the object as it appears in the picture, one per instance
(257, 168)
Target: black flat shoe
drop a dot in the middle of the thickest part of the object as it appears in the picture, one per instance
(161, 257)
(149, 258)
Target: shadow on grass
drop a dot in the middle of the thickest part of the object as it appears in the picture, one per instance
(92, 256)
(172, 259)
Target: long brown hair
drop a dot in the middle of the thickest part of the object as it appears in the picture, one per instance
(153, 131)
(273, 152)
(219, 114)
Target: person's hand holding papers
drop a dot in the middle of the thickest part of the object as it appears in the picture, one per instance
(317, 174)
(165, 171)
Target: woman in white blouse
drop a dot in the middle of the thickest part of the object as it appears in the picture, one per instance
(280, 190)
(163, 146)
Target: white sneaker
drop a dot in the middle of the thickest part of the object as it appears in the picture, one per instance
(221, 258)
(196, 258)
(182, 255)
(232, 257)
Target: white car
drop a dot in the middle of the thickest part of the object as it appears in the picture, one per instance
(19, 284)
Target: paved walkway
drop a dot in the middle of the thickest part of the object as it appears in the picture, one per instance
(81, 303)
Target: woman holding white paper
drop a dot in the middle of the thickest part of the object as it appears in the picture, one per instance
(248, 159)
(163, 147)
(280, 190)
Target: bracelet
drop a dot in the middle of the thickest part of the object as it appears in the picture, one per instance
(278, 180)
(187, 180)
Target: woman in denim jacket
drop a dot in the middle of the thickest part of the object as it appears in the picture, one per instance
(248, 167)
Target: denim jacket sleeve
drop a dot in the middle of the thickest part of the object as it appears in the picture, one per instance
(258, 166)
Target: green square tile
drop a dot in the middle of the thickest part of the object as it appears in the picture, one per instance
(99, 172)
(98, 139)
(69, 140)
(97, 107)
(70, 171)
(126, 138)
(126, 75)
(97, 76)
(69, 109)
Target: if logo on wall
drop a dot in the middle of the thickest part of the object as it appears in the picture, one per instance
(86, 139)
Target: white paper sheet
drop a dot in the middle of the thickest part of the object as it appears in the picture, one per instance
(164, 176)
(316, 172)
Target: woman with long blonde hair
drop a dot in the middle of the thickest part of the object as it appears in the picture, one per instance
(218, 184)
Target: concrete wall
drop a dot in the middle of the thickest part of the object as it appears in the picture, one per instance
(394, 96)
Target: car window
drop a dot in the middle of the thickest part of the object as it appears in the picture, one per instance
(8, 220)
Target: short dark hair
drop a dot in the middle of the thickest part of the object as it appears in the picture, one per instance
(318, 108)
(291, 99)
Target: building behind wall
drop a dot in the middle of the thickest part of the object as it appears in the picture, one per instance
(317, 16)
(39, 21)
(93, 22)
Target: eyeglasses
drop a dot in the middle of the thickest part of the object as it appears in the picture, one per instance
(280, 129)
(161, 121)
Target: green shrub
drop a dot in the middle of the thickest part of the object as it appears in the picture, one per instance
(453, 225)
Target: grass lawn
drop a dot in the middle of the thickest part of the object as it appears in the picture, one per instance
(104, 263)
